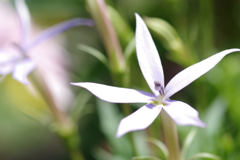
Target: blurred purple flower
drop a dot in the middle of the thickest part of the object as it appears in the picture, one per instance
(151, 67)
(20, 65)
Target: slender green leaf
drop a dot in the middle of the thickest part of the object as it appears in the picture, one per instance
(145, 158)
(160, 145)
(79, 108)
(129, 50)
(110, 117)
(188, 142)
(170, 40)
(94, 52)
(37, 115)
(121, 26)
(214, 115)
(205, 156)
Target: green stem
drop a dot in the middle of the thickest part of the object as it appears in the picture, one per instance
(69, 135)
(65, 127)
(117, 62)
(99, 13)
(171, 136)
(41, 87)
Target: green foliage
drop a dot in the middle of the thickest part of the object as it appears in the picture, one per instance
(205, 156)
(187, 143)
(109, 119)
(160, 146)
(94, 52)
(145, 158)
(171, 41)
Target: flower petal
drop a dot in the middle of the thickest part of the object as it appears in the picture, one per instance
(6, 68)
(182, 113)
(25, 19)
(6, 56)
(59, 28)
(6, 62)
(139, 120)
(193, 72)
(148, 57)
(116, 94)
(22, 69)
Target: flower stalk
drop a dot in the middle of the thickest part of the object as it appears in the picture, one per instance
(99, 13)
(69, 135)
(171, 136)
(64, 126)
(117, 62)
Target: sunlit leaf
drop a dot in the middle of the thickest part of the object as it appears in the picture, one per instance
(205, 156)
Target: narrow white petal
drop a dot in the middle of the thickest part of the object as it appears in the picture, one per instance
(6, 62)
(6, 68)
(148, 57)
(139, 120)
(5, 57)
(25, 19)
(193, 72)
(182, 113)
(22, 69)
(116, 94)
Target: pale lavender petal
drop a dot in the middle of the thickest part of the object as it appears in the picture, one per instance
(59, 28)
(139, 120)
(6, 56)
(25, 20)
(193, 72)
(116, 94)
(182, 113)
(22, 69)
(6, 68)
(148, 57)
(6, 62)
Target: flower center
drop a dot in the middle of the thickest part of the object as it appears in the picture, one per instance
(158, 87)
(158, 100)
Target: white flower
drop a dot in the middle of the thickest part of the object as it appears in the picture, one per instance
(151, 67)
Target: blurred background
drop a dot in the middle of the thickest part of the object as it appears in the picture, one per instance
(192, 31)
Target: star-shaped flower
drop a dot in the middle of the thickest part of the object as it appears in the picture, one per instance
(151, 67)
(15, 58)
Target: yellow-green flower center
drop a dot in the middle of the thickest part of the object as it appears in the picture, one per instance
(158, 100)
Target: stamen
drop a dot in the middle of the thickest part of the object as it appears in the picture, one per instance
(159, 88)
